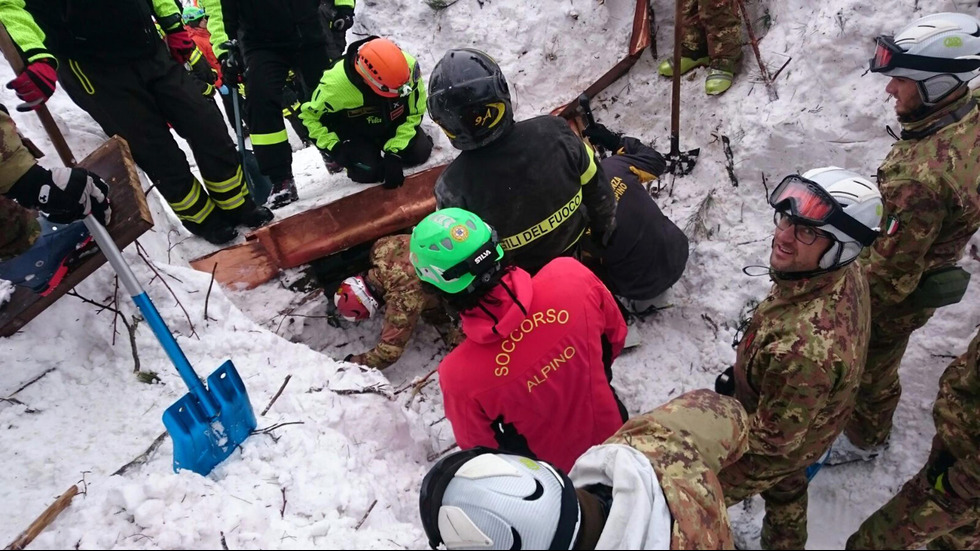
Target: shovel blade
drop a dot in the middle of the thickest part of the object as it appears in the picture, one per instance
(202, 441)
(682, 162)
(259, 185)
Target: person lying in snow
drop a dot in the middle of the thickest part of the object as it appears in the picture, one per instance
(652, 485)
(533, 375)
(390, 283)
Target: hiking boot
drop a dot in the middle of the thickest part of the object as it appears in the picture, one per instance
(249, 214)
(57, 251)
(283, 193)
(720, 77)
(689, 62)
(844, 451)
(215, 229)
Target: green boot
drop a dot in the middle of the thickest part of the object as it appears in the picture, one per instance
(687, 64)
(720, 77)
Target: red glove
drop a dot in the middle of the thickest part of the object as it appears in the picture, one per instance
(181, 45)
(36, 84)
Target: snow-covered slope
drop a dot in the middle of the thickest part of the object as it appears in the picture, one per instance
(337, 455)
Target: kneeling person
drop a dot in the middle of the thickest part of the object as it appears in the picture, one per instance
(532, 376)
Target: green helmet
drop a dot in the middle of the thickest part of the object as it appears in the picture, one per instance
(192, 13)
(455, 250)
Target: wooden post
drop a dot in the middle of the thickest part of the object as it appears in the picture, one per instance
(46, 518)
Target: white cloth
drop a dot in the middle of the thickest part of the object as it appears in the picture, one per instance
(639, 517)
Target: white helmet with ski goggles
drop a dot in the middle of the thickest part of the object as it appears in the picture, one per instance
(940, 52)
(844, 205)
(487, 499)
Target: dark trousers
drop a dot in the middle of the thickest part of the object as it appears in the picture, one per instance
(367, 164)
(265, 77)
(136, 100)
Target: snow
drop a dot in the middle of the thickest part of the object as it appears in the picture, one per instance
(338, 456)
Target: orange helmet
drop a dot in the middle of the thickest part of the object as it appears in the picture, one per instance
(384, 68)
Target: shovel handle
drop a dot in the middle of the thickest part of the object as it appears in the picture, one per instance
(583, 102)
(675, 91)
(150, 313)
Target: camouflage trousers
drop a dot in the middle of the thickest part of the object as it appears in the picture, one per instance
(19, 228)
(784, 526)
(880, 390)
(921, 515)
(712, 27)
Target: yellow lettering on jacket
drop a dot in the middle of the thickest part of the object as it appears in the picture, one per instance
(528, 325)
(550, 368)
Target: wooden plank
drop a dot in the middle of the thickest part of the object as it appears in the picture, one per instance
(43, 521)
(130, 219)
(243, 266)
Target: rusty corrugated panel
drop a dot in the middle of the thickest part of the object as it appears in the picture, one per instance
(639, 41)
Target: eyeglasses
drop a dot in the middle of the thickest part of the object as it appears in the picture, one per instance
(804, 234)
(806, 203)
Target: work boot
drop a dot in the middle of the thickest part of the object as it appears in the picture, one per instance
(215, 229)
(333, 167)
(58, 249)
(249, 214)
(283, 193)
(844, 451)
(720, 77)
(689, 62)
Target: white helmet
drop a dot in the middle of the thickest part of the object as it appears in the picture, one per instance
(860, 199)
(486, 499)
(941, 52)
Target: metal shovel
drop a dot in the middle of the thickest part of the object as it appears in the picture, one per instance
(207, 423)
(679, 163)
(259, 185)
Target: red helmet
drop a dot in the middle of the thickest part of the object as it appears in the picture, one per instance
(354, 299)
(384, 68)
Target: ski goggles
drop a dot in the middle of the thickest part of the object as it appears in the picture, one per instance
(889, 55)
(809, 204)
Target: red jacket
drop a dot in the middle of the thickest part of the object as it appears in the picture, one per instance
(538, 381)
(202, 38)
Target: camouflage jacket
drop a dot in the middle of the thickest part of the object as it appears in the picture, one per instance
(688, 441)
(799, 366)
(957, 424)
(931, 191)
(18, 226)
(393, 277)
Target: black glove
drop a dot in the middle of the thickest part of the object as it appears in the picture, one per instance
(232, 63)
(725, 383)
(343, 18)
(340, 154)
(600, 135)
(394, 173)
(63, 194)
(938, 472)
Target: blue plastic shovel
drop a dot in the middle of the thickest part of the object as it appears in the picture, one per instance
(207, 423)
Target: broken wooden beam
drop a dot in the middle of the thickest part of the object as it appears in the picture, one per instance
(130, 219)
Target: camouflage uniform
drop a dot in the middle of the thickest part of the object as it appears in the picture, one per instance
(393, 278)
(797, 371)
(711, 27)
(922, 514)
(930, 189)
(18, 226)
(688, 441)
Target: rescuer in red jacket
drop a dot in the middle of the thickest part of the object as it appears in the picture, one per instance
(533, 375)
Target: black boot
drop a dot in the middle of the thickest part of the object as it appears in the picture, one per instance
(215, 229)
(249, 214)
(283, 193)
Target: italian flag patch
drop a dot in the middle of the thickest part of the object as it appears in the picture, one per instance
(891, 226)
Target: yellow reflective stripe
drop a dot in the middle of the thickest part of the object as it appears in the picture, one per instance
(82, 79)
(270, 139)
(226, 185)
(187, 202)
(591, 169)
(544, 227)
(579, 236)
(199, 217)
(209, 90)
(232, 202)
(195, 56)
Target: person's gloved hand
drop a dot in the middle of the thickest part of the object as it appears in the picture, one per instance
(394, 172)
(36, 84)
(725, 382)
(342, 19)
(232, 64)
(181, 44)
(600, 135)
(63, 194)
(341, 154)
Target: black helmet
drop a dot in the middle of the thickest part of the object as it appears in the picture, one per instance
(469, 98)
